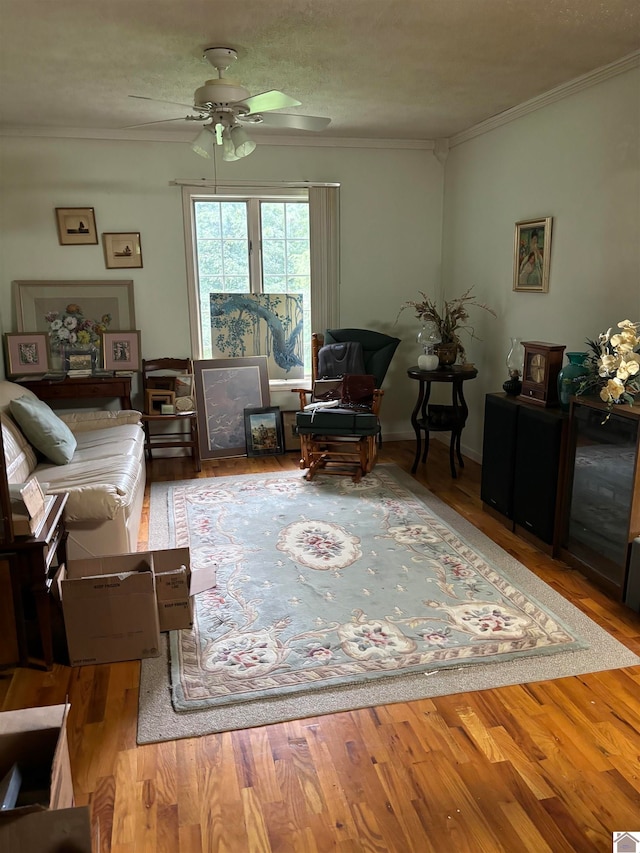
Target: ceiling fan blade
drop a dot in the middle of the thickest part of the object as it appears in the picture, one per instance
(162, 121)
(297, 122)
(156, 101)
(272, 100)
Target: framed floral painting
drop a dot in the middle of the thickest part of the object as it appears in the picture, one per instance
(27, 353)
(73, 313)
(121, 350)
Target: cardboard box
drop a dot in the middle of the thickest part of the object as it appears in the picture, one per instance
(43, 819)
(109, 608)
(176, 585)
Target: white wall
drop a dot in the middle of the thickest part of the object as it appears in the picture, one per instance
(578, 161)
(391, 214)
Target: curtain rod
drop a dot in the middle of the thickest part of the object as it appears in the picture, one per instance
(207, 182)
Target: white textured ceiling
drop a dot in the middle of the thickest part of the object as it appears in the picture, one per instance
(393, 69)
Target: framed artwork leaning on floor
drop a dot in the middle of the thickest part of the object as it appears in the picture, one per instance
(225, 387)
(263, 431)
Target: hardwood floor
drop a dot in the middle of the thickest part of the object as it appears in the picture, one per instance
(550, 766)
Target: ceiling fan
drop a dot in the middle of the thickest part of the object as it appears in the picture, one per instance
(224, 107)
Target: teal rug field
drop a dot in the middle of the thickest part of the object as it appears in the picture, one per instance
(330, 589)
(333, 582)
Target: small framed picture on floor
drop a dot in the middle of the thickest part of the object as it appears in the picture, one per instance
(291, 437)
(263, 431)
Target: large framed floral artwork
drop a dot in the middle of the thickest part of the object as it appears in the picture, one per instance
(74, 313)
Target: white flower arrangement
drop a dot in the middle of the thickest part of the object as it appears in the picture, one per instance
(72, 328)
(614, 365)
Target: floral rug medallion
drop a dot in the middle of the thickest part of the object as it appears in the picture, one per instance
(329, 583)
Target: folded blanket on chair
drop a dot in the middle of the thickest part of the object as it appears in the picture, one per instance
(340, 358)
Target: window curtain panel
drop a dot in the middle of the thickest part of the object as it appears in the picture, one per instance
(324, 230)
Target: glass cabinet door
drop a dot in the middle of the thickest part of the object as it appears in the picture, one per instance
(603, 479)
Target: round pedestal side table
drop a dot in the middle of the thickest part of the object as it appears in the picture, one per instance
(439, 418)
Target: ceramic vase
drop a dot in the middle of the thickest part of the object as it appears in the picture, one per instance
(570, 377)
(428, 361)
(447, 354)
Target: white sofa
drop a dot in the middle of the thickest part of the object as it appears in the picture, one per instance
(105, 477)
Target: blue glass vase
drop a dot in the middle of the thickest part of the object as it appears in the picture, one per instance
(570, 377)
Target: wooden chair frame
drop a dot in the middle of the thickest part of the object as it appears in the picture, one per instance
(159, 372)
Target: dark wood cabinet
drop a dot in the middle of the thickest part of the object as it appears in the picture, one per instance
(33, 564)
(523, 467)
(82, 388)
(602, 509)
(28, 566)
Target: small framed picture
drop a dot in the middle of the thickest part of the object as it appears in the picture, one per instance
(122, 249)
(291, 437)
(156, 399)
(532, 255)
(76, 226)
(75, 359)
(121, 350)
(263, 431)
(166, 383)
(27, 353)
(184, 386)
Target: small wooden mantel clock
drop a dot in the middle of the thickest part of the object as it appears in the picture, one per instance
(542, 363)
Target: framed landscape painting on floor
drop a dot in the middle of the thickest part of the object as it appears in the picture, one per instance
(263, 431)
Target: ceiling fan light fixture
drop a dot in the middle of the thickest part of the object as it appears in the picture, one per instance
(222, 104)
(203, 144)
(219, 92)
(243, 145)
(228, 148)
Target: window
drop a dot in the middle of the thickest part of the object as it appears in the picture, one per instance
(261, 243)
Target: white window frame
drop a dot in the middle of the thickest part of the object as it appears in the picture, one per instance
(323, 239)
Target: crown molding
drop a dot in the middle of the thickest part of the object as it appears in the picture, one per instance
(183, 136)
(592, 78)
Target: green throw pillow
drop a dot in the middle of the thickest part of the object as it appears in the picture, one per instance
(44, 429)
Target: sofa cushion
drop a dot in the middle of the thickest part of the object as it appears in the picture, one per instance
(98, 490)
(102, 476)
(86, 421)
(126, 440)
(44, 429)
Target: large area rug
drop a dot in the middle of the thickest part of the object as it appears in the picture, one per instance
(333, 595)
